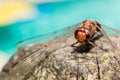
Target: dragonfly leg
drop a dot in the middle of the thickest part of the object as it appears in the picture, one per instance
(101, 45)
(96, 36)
(94, 45)
(74, 44)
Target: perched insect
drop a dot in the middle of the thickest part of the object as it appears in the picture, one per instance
(85, 32)
(90, 30)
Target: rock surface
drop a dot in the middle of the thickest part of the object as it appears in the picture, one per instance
(57, 60)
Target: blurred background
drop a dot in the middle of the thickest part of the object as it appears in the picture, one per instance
(24, 19)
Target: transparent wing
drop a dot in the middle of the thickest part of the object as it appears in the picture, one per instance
(110, 34)
(110, 30)
(63, 32)
(25, 66)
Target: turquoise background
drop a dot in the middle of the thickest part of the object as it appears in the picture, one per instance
(54, 16)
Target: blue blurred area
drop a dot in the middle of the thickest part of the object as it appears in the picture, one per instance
(54, 16)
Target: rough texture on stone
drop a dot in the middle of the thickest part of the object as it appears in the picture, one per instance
(57, 60)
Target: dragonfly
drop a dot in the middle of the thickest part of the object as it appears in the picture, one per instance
(62, 38)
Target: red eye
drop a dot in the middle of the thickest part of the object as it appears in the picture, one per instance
(81, 36)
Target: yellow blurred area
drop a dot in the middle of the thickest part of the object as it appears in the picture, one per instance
(11, 11)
